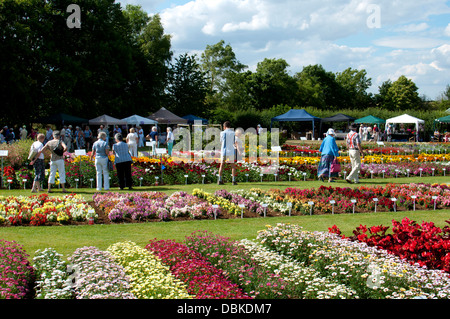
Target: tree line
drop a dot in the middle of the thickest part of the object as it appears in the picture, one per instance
(120, 62)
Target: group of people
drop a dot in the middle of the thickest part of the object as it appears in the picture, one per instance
(369, 133)
(330, 153)
(12, 134)
(100, 150)
(124, 148)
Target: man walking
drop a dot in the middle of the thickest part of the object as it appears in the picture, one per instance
(228, 151)
(355, 151)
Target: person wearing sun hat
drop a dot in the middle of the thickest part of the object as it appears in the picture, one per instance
(329, 152)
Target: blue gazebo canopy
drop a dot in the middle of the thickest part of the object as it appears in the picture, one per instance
(296, 115)
(191, 118)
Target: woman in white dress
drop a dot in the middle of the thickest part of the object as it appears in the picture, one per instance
(132, 141)
(141, 136)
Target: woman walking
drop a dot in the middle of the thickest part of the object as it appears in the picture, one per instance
(123, 162)
(100, 150)
(39, 165)
(329, 152)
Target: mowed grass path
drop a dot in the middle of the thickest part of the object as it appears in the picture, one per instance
(65, 239)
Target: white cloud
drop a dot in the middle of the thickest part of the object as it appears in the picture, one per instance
(447, 30)
(408, 42)
(316, 32)
(413, 27)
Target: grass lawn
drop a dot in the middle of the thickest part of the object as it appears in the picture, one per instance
(65, 239)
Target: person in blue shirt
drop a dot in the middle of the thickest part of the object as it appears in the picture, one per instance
(329, 151)
(228, 152)
(123, 162)
(153, 137)
(100, 150)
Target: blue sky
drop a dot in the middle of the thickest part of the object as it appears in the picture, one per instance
(387, 38)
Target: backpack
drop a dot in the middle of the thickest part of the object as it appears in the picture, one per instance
(58, 150)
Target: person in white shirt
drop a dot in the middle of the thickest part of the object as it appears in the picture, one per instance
(39, 165)
(140, 133)
(169, 141)
(23, 133)
(228, 152)
(132, 141)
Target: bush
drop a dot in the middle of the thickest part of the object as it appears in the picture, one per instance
(17, 152)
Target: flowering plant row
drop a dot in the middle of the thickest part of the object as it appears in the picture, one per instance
(42, 209)
(348, 200)
(303, 281)
(98, 276)
(16, 272)
(146, 206)
(284, 261)
(237, 264)
(371, 272)
(203, 280)
(149, 277)
(52, 278)
(423, 244)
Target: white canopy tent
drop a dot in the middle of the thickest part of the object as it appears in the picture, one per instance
(139, 120)
(405, 119)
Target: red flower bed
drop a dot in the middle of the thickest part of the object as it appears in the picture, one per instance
(424, 244)
(203, 279)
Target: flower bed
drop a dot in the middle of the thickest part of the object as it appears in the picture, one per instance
(283, 261)
(423, 244)
(42, 209)
(98, 276)
(371, 272)
(202, 279)
(303, 281)
(428, 197)
(16, 272)
(237, 263)
(149, 278)
(52, 278)
(147, 206)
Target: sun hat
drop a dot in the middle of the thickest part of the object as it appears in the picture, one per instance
(330, 132)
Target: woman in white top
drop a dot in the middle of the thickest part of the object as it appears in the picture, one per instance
(141, 136)
(132, 141)
(39, 165)
(169, 141)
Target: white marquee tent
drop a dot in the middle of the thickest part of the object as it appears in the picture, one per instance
(139, 120)
(406, 119)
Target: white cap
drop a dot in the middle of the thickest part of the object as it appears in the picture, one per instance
(330, 132)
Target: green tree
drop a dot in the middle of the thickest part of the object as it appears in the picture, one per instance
(403, 94)
(354, 84)
(318, 87)
(156, 48)
(187, 87)
(381, 99)
(22, 72)
(219, 63)
(272, 85)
